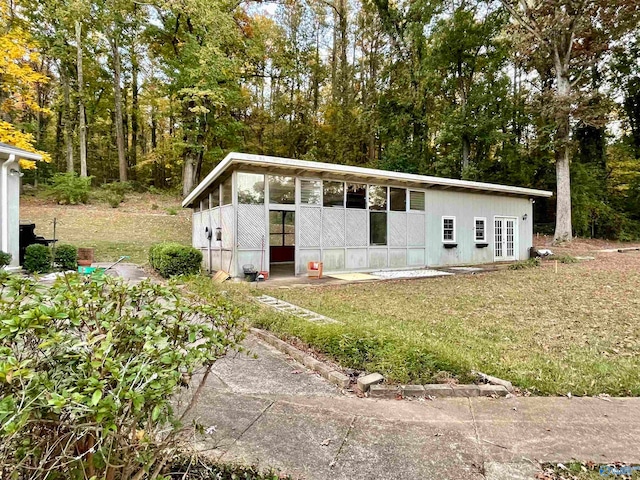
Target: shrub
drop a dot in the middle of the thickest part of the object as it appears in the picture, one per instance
(565, 258)
(172, 211)
(171, 259)
(69, 188)
(113, 199)
(531, 263)
(66, 257)
(5, 259)
(90, 369)
(37, 259)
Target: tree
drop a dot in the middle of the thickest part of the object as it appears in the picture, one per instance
(569, 36)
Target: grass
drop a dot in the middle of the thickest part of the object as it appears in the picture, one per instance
(589, 471)
(128, 230)
(550, 333)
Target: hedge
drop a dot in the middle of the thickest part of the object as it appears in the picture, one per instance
(37, 259)
(170, 259)
(66, 257)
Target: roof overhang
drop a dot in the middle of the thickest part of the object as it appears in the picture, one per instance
(7, 150)
(300, 167)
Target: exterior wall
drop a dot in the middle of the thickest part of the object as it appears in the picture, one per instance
(339, 237)
(12, 212)
(14, 219)
(466, 207)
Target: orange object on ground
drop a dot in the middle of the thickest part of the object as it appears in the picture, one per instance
(314, 270)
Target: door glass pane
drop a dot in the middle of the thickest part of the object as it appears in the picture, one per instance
(510, 238)
(377, 197)
(377, 228)
(310, 192)
(398, 199)
(250, 188)
(275, 223)
(356, 196)
(333, 194)
(282, 190)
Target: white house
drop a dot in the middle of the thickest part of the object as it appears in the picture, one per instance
(280, 213)
(10, 199)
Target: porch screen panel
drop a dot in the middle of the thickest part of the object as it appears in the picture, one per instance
(357, 228)
(196, 226)
(397, 229)
(309, 219)
(333, 227)
(227, 226)
(251, 226)
(416, 230)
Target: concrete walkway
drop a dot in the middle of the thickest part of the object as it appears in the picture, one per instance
(268, 410)
(271, 412)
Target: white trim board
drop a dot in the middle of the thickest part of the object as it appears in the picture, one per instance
(329, 168)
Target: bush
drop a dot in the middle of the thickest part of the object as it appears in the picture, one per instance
(564, 258)
(172, 211)
(531, 263)
(66, 257)
(5, 259)
(90, 371)
(171, 259)
(37, 259)
(69, 188)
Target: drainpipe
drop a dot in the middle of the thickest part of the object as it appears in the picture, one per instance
(4, 189)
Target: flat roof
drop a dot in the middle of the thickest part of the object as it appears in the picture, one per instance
(6, 150)
(329, 169)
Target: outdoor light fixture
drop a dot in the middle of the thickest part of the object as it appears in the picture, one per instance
(218, 234)
(16, 173)
(524, 217)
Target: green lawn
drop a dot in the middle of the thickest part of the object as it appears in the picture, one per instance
(128, 230)
(575, 331)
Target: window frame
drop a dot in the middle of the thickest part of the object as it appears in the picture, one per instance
(484, 230)
(389, 194)
(424, 201)
(448, 217)
(344, 193)
(299, 189)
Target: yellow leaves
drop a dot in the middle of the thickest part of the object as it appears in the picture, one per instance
(12, 136)
(18, 75)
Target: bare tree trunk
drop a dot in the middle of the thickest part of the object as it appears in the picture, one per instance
(66, 119)
(563, 179)
(82, 124)
(466, 149)
(134, 108)
(117, 90)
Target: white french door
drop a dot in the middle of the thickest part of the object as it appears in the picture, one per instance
(505, 238)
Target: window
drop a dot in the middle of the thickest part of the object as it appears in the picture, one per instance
(449, 229)
(377, 197)
(250, 188)
(479, 229)
(398, 199)
(333, 194)
(416, 201)
(205, 203)
(282, 190)
(215, 197)
(356, 196)
(227, 193)
(310, 192)
(377, 228)
(282, 228)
